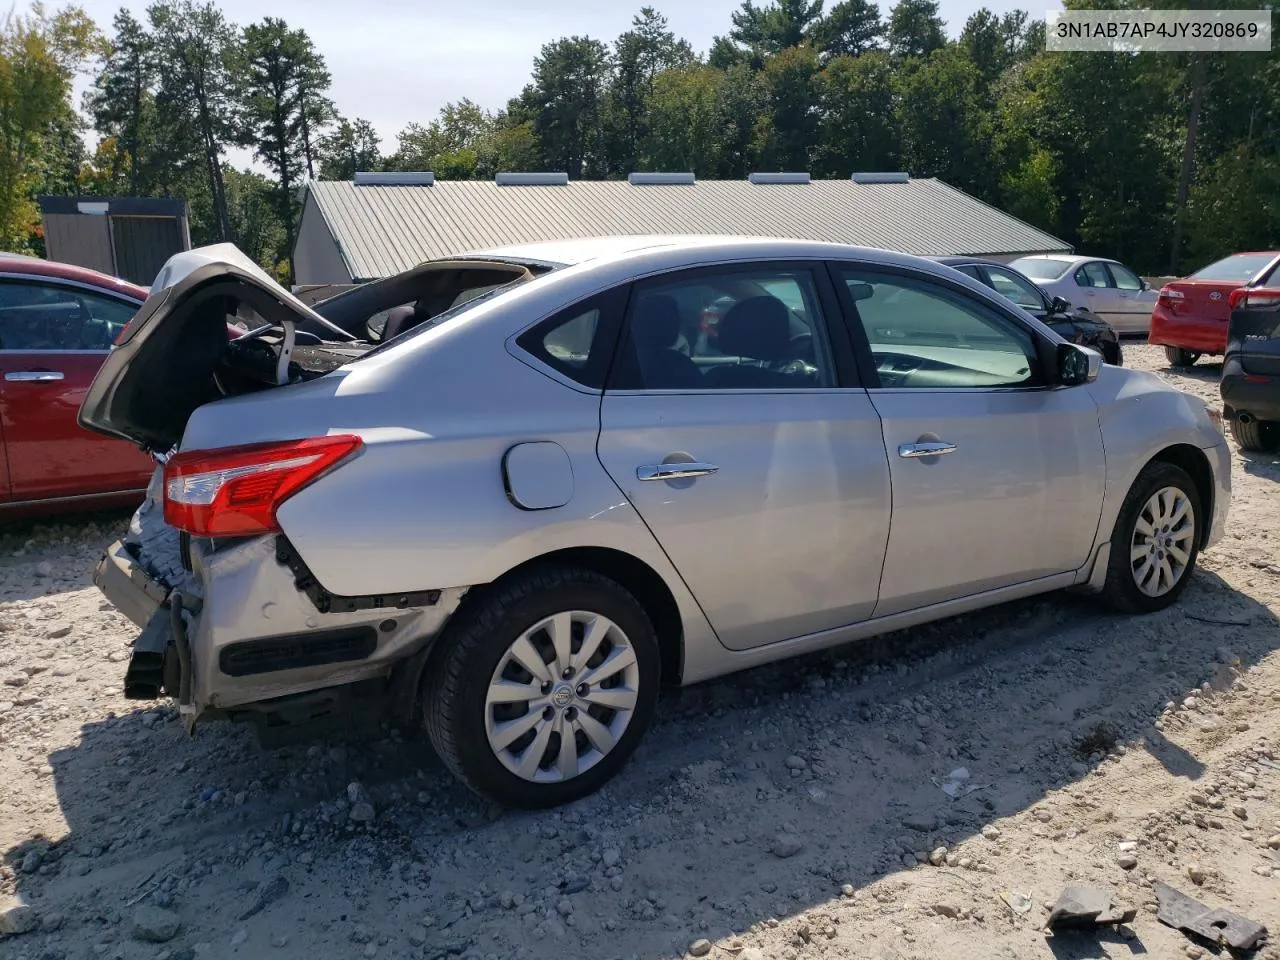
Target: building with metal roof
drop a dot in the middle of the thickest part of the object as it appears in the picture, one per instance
(382, 223)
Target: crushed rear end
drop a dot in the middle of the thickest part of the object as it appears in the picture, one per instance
(232, 623)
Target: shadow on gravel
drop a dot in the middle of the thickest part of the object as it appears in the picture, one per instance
(1264, 465)
(846, 751)
(1204, 371)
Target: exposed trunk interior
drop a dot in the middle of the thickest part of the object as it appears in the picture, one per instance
(186, 347)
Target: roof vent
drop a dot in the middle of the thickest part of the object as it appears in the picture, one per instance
(880, 178)
(778, 177)
(398, 178)
(531, 179)
(642, 179)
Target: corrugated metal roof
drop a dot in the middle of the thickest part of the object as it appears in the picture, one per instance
(382, 230)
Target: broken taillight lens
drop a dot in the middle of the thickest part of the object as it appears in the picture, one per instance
(235, 491)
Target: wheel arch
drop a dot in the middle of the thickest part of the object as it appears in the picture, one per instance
(634, 575)
(1193, 460)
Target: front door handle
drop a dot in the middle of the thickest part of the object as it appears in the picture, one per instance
(926, 448)
(675, 471)
(33, 376)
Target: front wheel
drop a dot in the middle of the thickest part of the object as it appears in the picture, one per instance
(1262, 436)
(1155, 541)
(1178, 357)
(541, 691)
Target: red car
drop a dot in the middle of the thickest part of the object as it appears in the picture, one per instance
(1190, 317)
(57, 323)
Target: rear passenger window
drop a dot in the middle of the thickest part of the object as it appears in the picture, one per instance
(753, 329)
(578, 341)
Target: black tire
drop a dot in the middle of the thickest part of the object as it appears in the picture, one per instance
(478, 638)
(1121, 590)
(1113, 354)
(1178, 357)
(1257, 435)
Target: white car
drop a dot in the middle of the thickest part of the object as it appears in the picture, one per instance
(1105, 287)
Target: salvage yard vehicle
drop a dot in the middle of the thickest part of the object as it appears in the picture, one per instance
(1250, 384)
(1106, 287)
(57, 322)
(1190, 318)
(513, 520)
(1075, 324)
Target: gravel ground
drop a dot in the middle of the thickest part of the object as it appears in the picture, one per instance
(793, 811)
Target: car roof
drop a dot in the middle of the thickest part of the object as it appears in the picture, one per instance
(700, 248)
(960, 261)
(20, 265)
(567, 253)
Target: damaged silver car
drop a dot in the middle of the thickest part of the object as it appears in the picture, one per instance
(507, 495)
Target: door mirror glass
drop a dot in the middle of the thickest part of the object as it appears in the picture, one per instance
(1060, 305)
(1077, 365)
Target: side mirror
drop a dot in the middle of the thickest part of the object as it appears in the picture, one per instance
(1077, 365)
(861, 291)
(1143, 285)
(1060, 305)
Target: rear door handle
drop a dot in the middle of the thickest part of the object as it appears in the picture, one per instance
(33, 376)
(675, 471)
(926, 448)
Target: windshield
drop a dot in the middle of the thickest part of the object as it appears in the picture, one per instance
(1240, 268)
(1042, 268)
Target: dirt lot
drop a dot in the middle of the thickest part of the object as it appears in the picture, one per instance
(782, 813)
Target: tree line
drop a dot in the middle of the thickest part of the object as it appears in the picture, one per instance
(1163, 160)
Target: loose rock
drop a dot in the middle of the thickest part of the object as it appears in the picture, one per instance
(154, 925)
(700, 948)
(786, 845)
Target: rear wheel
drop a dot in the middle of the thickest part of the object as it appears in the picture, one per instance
(1178, 357)
(1259, 435)
(541, 691)
(1155, 541)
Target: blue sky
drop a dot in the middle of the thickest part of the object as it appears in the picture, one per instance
(396, 61)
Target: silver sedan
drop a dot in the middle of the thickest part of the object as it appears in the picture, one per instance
(508, 495)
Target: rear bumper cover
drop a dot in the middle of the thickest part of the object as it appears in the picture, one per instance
(1190, 333)
(1257, 396)
(130, 588)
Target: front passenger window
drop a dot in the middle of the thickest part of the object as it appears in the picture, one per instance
(924, 335)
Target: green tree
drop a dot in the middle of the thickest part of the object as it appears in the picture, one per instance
(915, 28)
(39, 55)
(684, 120)
(448, 146)
(856, 128)
(510, 145)
(1234, 205)
(273, 60)
(121, 104)
(256, 227)
(638, 56)
(195, 50)
(772, 29)
(565, 102)
(940, 120)
(789, 80)
(353, 145)
(743, 109)
(851, 28)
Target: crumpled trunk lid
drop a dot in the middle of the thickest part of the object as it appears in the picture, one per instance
(177, 354)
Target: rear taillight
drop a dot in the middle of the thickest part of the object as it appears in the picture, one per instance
(1171, 295)
(235, 491)
(1255, 297)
